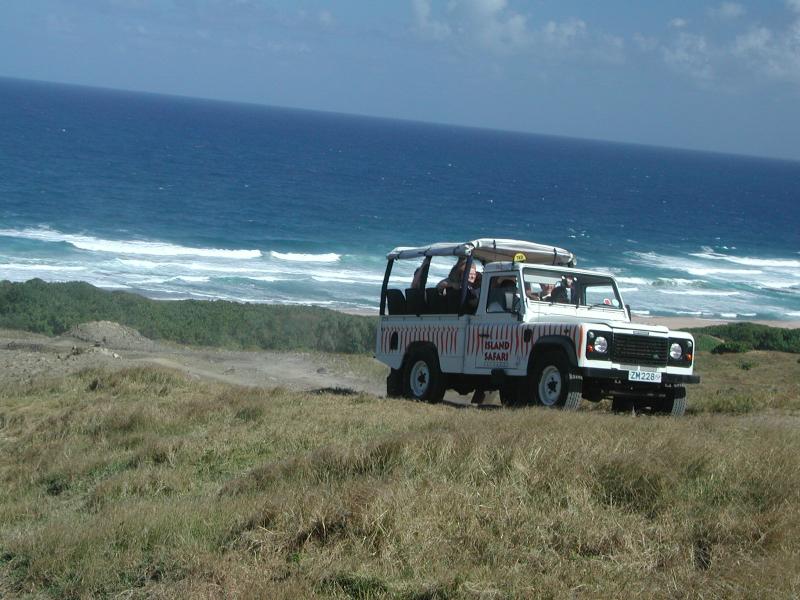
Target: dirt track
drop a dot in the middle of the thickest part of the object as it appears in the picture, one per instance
(27, 356)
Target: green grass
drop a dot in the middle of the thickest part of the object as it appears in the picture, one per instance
(758, 381)
(144, 483)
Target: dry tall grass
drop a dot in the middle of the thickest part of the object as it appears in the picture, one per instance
(144, 483)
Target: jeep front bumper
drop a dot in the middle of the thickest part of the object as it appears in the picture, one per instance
(620, 374)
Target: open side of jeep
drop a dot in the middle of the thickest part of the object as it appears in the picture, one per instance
(538, 330)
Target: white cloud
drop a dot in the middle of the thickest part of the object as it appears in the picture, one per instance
(426, 25)
(495, 26)
(690, 54)
(754, 41)
(487, 7)
(497, 30)
(562, 35)
(727, 10)
(645, 43)
(326, 18)
(770, 54)
(678, 23)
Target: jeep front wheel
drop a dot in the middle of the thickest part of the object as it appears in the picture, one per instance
(554, 386)
(674, 402)
(422, 377)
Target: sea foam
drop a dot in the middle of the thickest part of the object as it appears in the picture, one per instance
(132, 247)
(780, 263)
(299, 257)
(39, 267)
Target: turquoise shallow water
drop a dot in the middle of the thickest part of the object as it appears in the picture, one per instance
(181, 198)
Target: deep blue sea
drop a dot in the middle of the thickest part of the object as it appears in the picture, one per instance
(184, 198)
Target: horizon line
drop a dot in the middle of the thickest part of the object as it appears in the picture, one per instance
(402, 119)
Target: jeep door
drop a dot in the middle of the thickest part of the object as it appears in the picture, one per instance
(492, 336)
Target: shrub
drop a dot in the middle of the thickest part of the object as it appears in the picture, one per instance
(731, 348)
(757, 337)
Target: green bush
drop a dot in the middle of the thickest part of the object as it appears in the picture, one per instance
(54, 308)
(750, 336)
(731, 348)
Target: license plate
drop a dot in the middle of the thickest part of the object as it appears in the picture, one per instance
(648, 376)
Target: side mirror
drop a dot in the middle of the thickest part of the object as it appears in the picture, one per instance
(517, 307)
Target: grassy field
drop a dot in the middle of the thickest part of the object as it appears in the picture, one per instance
(144, 483)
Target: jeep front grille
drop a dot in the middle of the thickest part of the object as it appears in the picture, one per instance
(640, 350)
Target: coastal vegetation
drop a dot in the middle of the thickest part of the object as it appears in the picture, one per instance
(743, 337)
(55, 308)
(143, 482)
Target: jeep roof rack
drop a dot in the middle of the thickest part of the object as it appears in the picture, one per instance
(487, 250)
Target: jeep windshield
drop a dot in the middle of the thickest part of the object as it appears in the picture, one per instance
(569, 287)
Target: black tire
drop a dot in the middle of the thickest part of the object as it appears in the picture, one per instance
(552, 383)
(670, 400)
(394, 384)
(422, 377)
(513, 393)
(674, 403)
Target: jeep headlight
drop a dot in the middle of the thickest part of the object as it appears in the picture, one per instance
(598, 343)
(675, 351)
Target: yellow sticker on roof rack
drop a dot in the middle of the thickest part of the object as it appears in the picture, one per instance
(519, 257)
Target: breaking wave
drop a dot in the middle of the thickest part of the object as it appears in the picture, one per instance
(132, 247)
(299, 257)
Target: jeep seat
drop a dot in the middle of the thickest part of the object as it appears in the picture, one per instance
(396, 302)
(415, 301)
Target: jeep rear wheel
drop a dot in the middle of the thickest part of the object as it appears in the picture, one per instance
(552, 383)
(394, 384)
(513, 392)
(422, 377)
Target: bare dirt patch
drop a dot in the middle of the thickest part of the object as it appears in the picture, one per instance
(112, 335)
(28, 356)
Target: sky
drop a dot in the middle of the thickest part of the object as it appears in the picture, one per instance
(719, 76)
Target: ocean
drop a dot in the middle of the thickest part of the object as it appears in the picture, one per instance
(176, 198)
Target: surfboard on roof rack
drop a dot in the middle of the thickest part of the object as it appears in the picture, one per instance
(487, 250)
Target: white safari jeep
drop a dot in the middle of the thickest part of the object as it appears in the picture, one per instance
(534, 327)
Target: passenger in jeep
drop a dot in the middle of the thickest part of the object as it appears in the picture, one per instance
(453, 280)
(543, 295)
(502, 295)
(565, 292)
